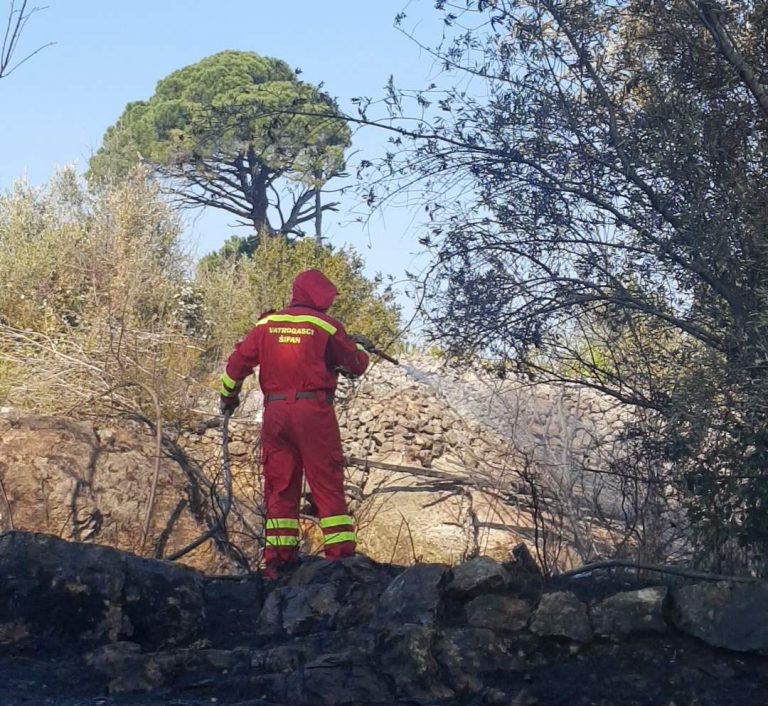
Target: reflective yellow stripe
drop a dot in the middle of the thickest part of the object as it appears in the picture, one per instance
(336, 520)
(229, 387)
(339, 537)
(282, 541)
(228, 382)
(299, 319)
(282, 523)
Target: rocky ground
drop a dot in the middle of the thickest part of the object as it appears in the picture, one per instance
(436, 472)
(82, 624)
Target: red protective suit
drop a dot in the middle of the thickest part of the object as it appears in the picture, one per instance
(298, 351)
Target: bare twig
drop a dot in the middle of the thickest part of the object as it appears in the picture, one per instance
(7, 505)
(17, 20)
(416, 559)
(397, 539)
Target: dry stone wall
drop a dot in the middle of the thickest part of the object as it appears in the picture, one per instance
(432, 474)
(441, 466)
(556, 424)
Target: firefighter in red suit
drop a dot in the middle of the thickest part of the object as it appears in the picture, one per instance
(299, 352)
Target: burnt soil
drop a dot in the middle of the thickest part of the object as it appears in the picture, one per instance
(670, 671)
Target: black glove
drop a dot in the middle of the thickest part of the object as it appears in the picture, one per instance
(229, 404)
(364, 341)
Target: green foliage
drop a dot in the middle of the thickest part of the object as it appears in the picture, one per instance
(597, 213)
(228, 130)
(94, 306)
(65, 253)
(235, 290)
(234, 248)
(97, 309)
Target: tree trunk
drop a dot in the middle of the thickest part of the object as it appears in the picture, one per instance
(710, 13)
(318, 218)
(257, 193)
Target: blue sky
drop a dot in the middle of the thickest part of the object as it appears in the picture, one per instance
(55, 108)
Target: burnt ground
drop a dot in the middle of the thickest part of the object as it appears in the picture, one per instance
(336, 639)
(671, 671)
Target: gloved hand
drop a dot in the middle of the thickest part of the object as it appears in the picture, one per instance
(229, 404)
(364, 341)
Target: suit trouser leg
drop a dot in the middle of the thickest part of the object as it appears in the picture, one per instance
(282, 487)
(323, 461)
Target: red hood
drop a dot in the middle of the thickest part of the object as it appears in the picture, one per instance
(313, 289)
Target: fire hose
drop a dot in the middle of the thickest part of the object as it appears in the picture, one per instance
(384, 355)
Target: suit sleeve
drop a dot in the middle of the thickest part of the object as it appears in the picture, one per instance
(241, 363)
(344, 353)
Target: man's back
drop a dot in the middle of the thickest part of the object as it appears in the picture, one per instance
(296, 350)
(301, 347)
